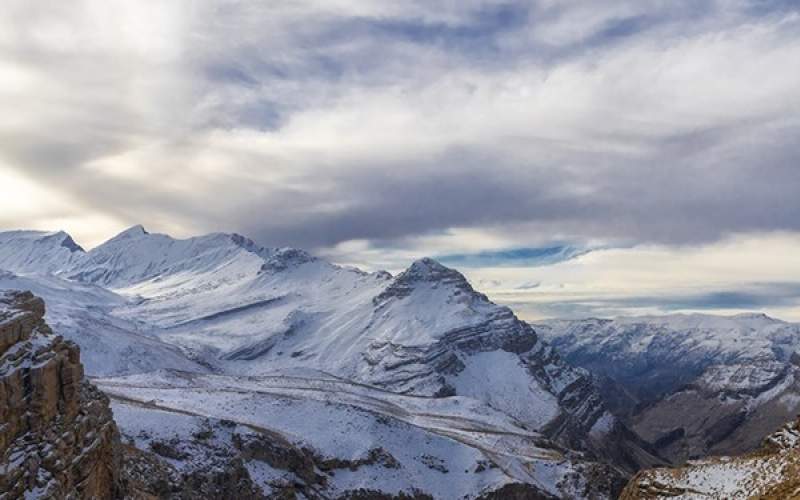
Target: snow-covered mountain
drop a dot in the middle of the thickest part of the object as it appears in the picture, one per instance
(38, 252)
(217, 327)
(110, 345)
(693, 384)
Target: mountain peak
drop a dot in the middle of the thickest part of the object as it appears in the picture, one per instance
(137, 230)
(37, 251)
(67, 242)
(429, 270)
(284, 258)
(130, 233)
(755, 316)
(427, 263)
(425, 272)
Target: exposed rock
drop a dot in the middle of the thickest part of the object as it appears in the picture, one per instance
(365, 494)
(145, 476)
(432, 369)
(167, 450)
(57, 438)
(284, 258)
(425, 334)
(148, 477)
(771, 472)
(280, 454)
(225, 479)
(721, 419)
(425, 270)
(375, 456)
(517, 492)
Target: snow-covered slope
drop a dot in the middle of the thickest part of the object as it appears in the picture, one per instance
(222, 304)
(135, 256)
(38, 252)
(109, 345)
(696, 383)
(353, 436)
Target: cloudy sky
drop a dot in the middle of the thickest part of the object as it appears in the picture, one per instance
(574, 158)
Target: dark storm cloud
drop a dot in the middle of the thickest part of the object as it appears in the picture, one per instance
(676, 198)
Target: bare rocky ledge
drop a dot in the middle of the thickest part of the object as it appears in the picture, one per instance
(57, 438)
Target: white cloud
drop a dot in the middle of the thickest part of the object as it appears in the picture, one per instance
(656, 279)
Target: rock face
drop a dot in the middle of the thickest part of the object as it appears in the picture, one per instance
(474, 360)
(771, 472)
(57, 435)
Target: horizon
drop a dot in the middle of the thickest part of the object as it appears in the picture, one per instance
(497, 297)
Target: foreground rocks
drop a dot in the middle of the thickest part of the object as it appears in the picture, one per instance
(223, 461)
(771, 472)
(57, 436)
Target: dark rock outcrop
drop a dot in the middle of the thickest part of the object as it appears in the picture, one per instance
(58, 439)
(146, 476)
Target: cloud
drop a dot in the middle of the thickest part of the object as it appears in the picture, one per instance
(369, 130)
(738, 274)
(519, 257)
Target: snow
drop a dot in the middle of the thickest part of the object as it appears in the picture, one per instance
(723, 478)
(136, 256)
(499, 379)
(603, 425)
(735, 353)
(109, 345)
(344, 420)
(36, 252)
(790, 401)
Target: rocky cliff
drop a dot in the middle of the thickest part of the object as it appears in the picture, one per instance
(771, 472)
(57, 435)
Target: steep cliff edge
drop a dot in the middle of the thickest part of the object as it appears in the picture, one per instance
(57, 435)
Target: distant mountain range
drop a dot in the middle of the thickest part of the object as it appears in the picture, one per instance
(692, 385)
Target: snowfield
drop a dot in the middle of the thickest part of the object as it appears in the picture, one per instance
(438, 443)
